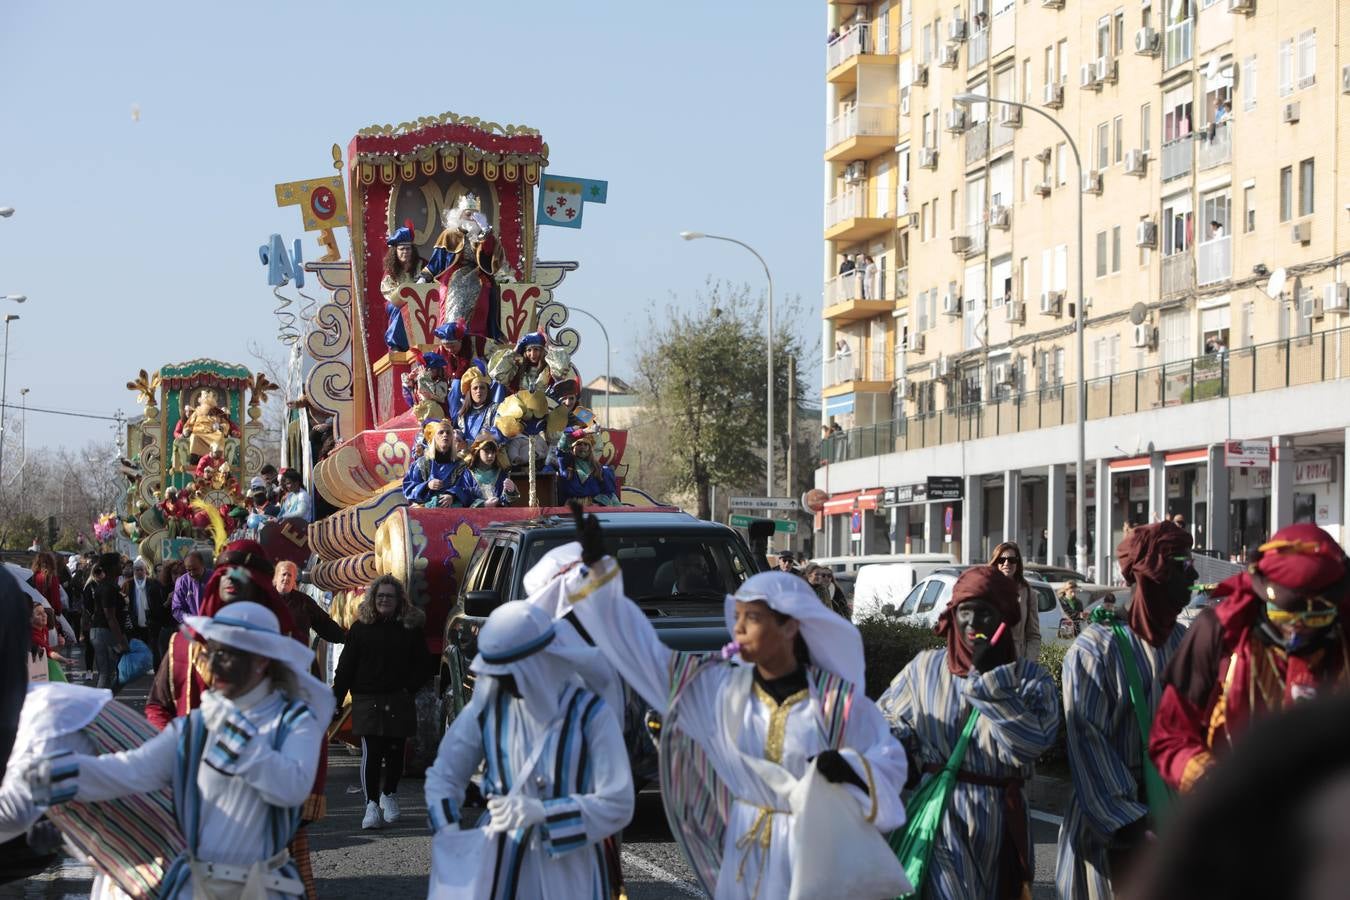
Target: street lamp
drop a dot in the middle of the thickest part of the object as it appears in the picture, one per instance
(6, 212)
(15, 298)
(609, 386)
(1080, 479)
(4, 384)
(768, 456)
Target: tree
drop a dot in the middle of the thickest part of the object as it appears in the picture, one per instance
(701, 374)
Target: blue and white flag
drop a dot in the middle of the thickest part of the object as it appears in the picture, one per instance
(561, 199)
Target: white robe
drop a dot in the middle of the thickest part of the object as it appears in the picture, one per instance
(605, 808)
(235, 808)
(733, 722)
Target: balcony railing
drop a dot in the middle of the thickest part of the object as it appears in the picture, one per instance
(1216, 147)
(977, 143)
(1214, 261)
(851, 43)
(1001, 136)
(861, 120)
(1311, 359)
(1178, 44)
(1176, 158)
(843, 288)
(975, 234)
(851, 204)
(841, 368)
(1178, 273)
(977, 48)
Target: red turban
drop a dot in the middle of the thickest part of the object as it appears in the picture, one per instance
(1302, 558)
(250, 556)
(1144, 556)
(978, 583)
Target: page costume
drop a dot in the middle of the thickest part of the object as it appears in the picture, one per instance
(730, 754)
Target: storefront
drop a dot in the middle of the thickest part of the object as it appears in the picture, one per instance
(925, 517)
(855, 525)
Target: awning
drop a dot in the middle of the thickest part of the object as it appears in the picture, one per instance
(841, 504)
(869, 499)
(838, 406)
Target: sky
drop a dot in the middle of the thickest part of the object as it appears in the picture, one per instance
(136, 241)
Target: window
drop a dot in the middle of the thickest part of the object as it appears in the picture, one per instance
(1286, 193)
(1103, 145)
(1026, 81)
(1249, 83)
(1117, 138)
(952, 218)
(1104, 36)
(1249, 209)
(1177, 116)
(1215, 210)
(906, 24)
(1062, 51)
(926, 50)
(1307, 58)
(1119, 27)
(882, 28)
(928, 129)
(1026, 178)
(1050, 76)
(1178, 225)
(1115, 249)
(923, 225)
(1101, 254)
(1286, 68)
(921, 309)
(932, 233)
(1023, 279)
(1305, 188)
(1061, 163)
(1145, 126)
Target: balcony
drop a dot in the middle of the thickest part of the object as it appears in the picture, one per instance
(1214, 261)
(847, 219)
(1178, 274)
(849, 299)
(1178, 44)
(977, 48)
(1295, 361)
(842, 368)
(844, 373)
(850, 44)
(977, 143)
(1176, 158)
(975, 235)
(861, 132)
(1001, 136)
(1216, 147)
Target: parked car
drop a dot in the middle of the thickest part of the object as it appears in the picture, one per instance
(688, 614)
(880, 588)
(1053, 574)
(926, 601)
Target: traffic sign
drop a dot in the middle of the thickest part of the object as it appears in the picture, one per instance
(783, 503)
(782, 526)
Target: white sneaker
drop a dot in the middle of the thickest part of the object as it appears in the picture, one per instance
(372, 819)
(389, 807)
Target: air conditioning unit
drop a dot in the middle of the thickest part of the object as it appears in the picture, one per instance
(1245, 7)
(928, 157)
(1051, 303)
(1146, 234)
(1043, 154)
(1043, 189)
(914, 342)
(1016, 312)
(1336, 297)
(1136, 162)
(1311, 305)
(1054, 95)
(1107, 71)
(960, 244)
(1145, 337)
(855, 172)
(956, 30)
(1290, 112)
(904, 100)
(1000, 374)
(1087, 77)
(948, 54)
(951, 303)
(1052, 4)
(957, 120)
(1092, 182)
(1345, 79)
(1301, 233)
(921, 74)
(1147, 42)
(944, 367)
(1000, 217)
(1011, 116)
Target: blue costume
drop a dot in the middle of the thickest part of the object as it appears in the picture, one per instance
(475, 486)
(396, 333)
(477, 422)
(416, 483)
(588, 480)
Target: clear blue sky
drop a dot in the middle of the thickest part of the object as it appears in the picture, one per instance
(136, 241)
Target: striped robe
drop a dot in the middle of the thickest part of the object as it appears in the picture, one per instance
(1105, 754)
(582, 776)
(928, 706)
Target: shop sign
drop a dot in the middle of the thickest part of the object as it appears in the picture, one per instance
(1247, 454)
(1138, 485)
(944, 487)
(1173, 484)
(903, 494)
(1312, 471)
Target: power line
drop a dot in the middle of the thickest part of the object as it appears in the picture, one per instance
(63, 412)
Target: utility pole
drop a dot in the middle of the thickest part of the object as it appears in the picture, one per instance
(789, 477)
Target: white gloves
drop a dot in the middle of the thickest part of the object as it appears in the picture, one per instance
(514, 811)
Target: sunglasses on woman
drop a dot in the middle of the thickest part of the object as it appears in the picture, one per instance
(1009, 560)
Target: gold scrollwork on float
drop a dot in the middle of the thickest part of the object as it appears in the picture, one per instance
(329, 385)
(447, 118)
(393, 456)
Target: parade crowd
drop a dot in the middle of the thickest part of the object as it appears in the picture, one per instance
(1207, 760)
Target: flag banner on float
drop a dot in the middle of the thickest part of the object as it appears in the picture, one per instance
(562, 199)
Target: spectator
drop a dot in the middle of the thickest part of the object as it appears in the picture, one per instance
(162, 624)
(187, 590)
(296, 503)
(14, 613)
(827, 589)
(307, 614)
(47, 580)
(871, 286)
(846, 266)
(786, 562)
(105, 620)
(383, 664)
(269, 475)
(1215, 230)
(1026, 633)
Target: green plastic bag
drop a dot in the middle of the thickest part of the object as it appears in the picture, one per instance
(913, 844)
(54, 671)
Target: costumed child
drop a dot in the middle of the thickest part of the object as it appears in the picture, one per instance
(484, 480)
(583, 477)
(425, 388)
(239, 768)
(401, 266)
(431, 480)
(532, 365)
(472, 405)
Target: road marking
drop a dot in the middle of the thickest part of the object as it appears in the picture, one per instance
(1048, 818)
(652, 869)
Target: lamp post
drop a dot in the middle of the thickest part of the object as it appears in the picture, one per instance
(609, 386)
(768, 455)
(6, 212)
(4, 384)
(1080, 476)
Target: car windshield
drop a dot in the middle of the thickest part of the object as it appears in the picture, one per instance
(660, 567)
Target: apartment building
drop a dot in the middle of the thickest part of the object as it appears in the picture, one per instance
(1211, 139)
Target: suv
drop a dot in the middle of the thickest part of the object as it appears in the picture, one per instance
(679, 569)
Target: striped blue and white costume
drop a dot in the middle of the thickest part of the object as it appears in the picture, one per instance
(237, 797)
(1105, 752)
(582, 777)
(927, 706)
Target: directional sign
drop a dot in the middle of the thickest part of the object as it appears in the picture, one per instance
(1247, 454)
(781, 526)
(783, 503)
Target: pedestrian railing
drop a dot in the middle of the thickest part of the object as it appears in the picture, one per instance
(1307, 359)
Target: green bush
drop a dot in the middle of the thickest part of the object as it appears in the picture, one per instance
(1052, 658)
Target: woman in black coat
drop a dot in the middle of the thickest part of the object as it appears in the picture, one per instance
(383, 663)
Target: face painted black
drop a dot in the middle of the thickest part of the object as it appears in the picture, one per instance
(976, 617)
(232, 670)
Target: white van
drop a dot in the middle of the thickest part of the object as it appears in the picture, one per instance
(878, 586)
(847, 565)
